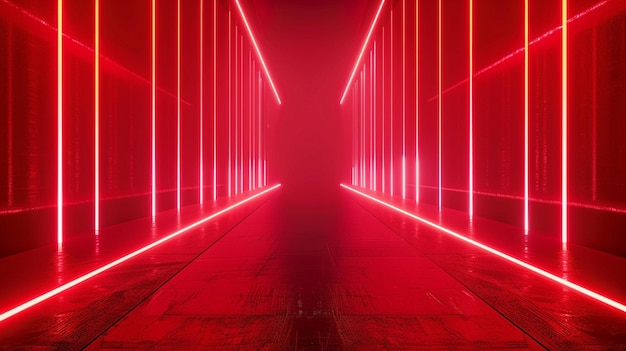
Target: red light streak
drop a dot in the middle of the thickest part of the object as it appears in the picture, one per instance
(60, 123)
(404, 99)
(564, 123)
(391, 103)
(417, 161)
(214, 99)
(594, 295)
(201, 151)
(258, 52)
(471, 109)
(82, 278)
(526, 117)
(178, 105)
(230, 105)
(531, 43)
(236, 131)
(383, 110)
(154, 193)
(358, 61)
(97, 117)
(439, 86)
(375, 118)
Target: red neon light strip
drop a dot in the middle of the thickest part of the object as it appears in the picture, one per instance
(236, 131)
(500, 254)
(391, 180)
(439, 86)
(417, 161)
(471, 109)
(60, 123)
(230, 106)
(258, 52)
(260, 150)
(97, 118)
(178, 105)
(375, 97)
(526, 117)
(123, 259)
(241, 115)
(214, 100)
(358, 61)
(154, 193)
(564, 124)
(383, 110)
(201, 190)
(404, 99)
(250, 116)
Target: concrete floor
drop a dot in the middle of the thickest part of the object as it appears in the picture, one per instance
(305, 271)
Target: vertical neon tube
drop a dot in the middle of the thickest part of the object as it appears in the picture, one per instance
(403, 99)
(391, 104)
(526, 116)
(60, 123)
(439, 82)
(236, 110)
(471, 109)
(230, 106)
(375, 118)
(97, 117)
(178, 105)
(564, 123)
(383, 110)
(241, 117)
(201, 183)
(417, 160)
(214, 99)
(154, 194)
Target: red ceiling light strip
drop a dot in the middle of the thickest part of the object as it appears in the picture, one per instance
(258, 52)
(66, 286)
(358, 61)
(511, 259)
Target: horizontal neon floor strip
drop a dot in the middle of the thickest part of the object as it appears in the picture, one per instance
(594, 295)
(125, 258)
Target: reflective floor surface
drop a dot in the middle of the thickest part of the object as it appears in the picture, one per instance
(313, 271)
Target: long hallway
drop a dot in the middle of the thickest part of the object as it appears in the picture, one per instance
(309, 272)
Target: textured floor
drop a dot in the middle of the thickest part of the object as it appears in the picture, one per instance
(319, 272)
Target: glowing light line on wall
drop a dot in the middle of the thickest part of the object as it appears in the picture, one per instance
(358, 61)
(471, 109)
(214, 100)
(564, 123)
(82, 278)
(417, 160)
(391, 180)
(439, 87)
(526, 117)
(404, 99)
(153, 151)
(60, 123)
(258, 52)
(201, 190)
(97, 117)
(594, 295)
(178, 105)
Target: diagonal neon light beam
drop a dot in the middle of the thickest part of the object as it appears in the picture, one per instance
(258, 51)
(358, 61)
(66, 286)
(592, 294)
